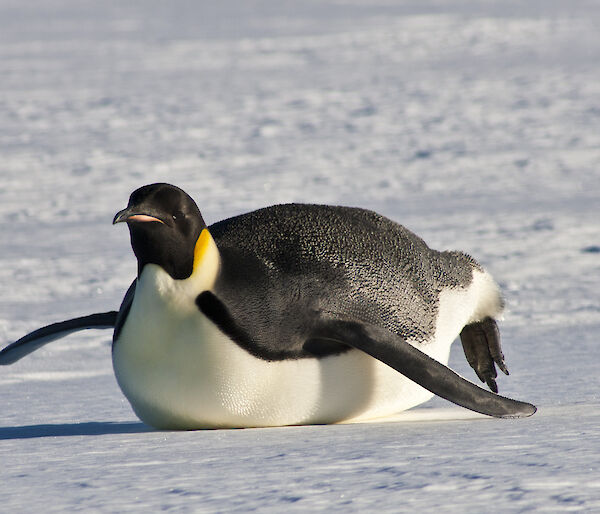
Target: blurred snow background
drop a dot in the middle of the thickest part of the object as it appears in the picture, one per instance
(473, 123)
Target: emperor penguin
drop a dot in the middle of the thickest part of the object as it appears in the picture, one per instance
(291, 314)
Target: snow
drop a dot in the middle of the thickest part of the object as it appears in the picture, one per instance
(473, 123)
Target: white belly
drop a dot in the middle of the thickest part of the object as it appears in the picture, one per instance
(179, 371)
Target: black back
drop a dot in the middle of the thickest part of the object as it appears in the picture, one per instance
(287, 267)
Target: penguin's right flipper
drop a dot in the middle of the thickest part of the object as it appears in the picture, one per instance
(38, 338)
(420, 368)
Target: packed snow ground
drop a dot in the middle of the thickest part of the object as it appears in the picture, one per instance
(473, 123)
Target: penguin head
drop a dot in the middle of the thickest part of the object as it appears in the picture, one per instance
(165, 225)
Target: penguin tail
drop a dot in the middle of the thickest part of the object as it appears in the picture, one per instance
(38, 338)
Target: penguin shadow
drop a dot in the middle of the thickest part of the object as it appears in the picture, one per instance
(90, 428)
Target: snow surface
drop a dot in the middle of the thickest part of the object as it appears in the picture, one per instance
(474, 123)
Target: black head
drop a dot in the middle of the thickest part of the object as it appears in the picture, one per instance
(164, 223)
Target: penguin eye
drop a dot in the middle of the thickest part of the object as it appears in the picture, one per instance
(178, 215)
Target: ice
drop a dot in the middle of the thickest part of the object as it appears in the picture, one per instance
(473, 123)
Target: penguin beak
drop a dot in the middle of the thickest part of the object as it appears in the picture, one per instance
(134, 214)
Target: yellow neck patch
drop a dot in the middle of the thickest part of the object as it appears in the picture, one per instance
(200, 250)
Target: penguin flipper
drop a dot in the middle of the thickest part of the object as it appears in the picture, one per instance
(38, 338)
(124, 310)
(420, 368)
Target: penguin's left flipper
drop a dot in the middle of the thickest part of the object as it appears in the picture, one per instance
(38, 338)
(419, 367)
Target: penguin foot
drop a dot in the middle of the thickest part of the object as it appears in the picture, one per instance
(481, 343)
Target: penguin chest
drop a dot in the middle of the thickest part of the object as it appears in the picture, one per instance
(173, 365)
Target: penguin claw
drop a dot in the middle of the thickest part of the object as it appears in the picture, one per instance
(492, 336)
(481, 344)
(492, 384)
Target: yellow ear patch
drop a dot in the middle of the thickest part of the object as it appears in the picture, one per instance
(202, 245)
(207, 263)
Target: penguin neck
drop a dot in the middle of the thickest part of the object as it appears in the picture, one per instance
(205, 271)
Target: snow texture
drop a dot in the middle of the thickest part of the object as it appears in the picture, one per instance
(474, 123)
